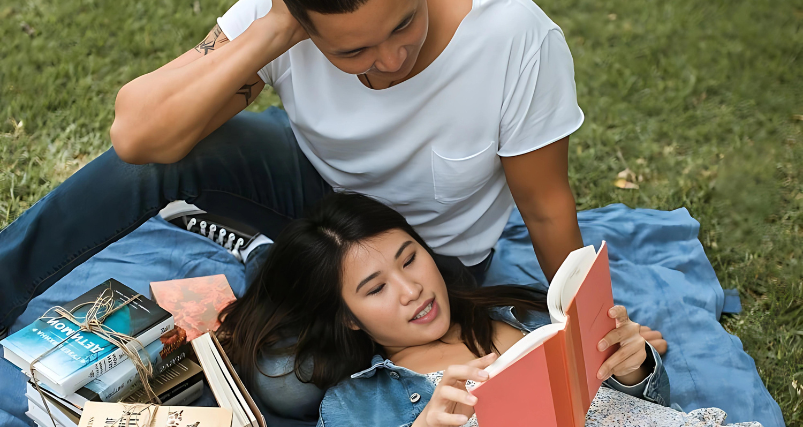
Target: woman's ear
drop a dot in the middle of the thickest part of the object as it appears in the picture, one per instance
(351, 321)
(352, 325)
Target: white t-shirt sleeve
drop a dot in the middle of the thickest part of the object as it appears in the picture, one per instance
(238, 18)
(540, 106)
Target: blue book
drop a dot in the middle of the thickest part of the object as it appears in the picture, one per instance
(84, 356)
(120, 382)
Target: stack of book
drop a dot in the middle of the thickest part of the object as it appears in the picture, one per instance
(87, 368)
(179, 385)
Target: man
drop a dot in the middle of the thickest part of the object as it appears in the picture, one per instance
(448, 110)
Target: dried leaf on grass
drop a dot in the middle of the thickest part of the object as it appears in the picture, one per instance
(627, 185)
(625, 180)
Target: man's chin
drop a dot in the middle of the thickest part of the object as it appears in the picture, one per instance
(394, 76)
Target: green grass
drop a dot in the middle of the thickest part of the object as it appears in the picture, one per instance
(702, 101)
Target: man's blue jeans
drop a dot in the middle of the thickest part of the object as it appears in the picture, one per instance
(250, 170)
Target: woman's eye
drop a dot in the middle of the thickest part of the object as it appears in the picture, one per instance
(376, 290)
(410, 261)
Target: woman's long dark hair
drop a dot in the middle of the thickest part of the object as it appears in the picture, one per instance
(297, 294)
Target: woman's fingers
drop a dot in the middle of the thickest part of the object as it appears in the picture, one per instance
(621, 334)
(659, 345)
(473, 371)
(621, 355)
(650, 335)
(631, 364)
(625, 329)
(484, 361)
(619, 313)
(655, 338)
(451, 391)
(454, 394)
(446, 419)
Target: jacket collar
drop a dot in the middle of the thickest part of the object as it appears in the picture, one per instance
(377, 362)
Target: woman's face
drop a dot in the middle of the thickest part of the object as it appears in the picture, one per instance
(393, 287)
(382, 38)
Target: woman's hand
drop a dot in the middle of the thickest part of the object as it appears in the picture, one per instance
(625, 363)
(451, 404)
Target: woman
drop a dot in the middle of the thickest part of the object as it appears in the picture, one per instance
(383, 321)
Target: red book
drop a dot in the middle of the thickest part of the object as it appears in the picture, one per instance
(194, 303)
(549, 377)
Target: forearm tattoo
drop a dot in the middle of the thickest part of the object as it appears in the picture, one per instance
(246, 92)
(214, 39)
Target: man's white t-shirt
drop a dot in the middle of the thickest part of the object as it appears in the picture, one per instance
(429, 146)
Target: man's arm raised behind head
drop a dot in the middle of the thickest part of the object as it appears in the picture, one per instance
(160, 116)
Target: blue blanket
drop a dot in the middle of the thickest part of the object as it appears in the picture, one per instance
(659, 271)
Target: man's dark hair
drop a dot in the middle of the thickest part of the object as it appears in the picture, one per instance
(299, 8)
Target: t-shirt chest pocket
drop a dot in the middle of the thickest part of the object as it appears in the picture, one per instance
(457, 179)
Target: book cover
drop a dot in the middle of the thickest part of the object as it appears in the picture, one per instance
(171, 383)
(124, 378)
(85, 356)
(195, 302)
(549, 377)
(99, 414)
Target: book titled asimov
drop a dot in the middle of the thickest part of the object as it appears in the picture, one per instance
(101, 414)
(84, 356)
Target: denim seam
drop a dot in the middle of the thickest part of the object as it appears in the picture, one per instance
(25, 300)
(321, 422)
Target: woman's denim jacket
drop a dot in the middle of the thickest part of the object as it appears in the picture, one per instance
(389, 395)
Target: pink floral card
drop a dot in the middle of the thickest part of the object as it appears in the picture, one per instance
(195, 302)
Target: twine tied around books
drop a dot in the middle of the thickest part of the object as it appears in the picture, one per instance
(133, 411)
(97, 313)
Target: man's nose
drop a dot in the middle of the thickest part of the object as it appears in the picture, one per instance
(391, 58)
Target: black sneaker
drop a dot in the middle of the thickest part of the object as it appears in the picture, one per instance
(237, 238)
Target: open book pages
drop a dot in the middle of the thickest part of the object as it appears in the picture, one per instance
(225, 384)
(567, 281)
(524, 346)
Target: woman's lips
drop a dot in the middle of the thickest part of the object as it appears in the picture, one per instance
(433, 313)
